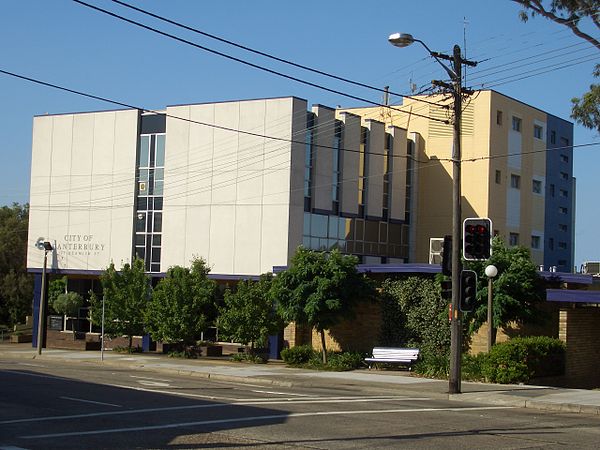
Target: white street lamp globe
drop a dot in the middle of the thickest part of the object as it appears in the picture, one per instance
(491, 271)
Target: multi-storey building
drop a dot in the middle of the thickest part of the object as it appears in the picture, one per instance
(517, 169)
(241, 184)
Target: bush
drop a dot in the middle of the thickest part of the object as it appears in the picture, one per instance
(472, 366)
(344, 361)
(298, 355)
(249, 357)
(67, 303)
(520, 359)
(434, 365)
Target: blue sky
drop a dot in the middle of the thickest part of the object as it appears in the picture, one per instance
(64, 43)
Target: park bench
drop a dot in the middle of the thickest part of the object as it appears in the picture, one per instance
(392, 355)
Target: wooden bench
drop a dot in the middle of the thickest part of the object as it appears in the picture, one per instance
(391, 355)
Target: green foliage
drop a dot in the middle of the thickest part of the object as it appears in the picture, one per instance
(295, 356)
(249, 358)
(249, 315)
(130, 349)
(343, 361)
(320, 290)
(420, 315)
(520, 359)
(56, 288)
(126, 293)
(432, 365)
(67, 303)
(16, 285)
(517, 289)
(182, 305)
(586, 110)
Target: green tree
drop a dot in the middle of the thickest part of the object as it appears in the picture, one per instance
(67, 303)
(249, 315)
(126, 294)
(182, 305)
(16, 285)
(320, 290)
(417, 315)
(570, 13)
(56, 288)
(517, 289)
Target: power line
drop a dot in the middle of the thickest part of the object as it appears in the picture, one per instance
(239, 60)
(261, 53)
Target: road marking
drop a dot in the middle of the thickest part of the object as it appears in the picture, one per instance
(31, 365)
(182, 408)
(280, 393)
(259, 418)
(90, 401)
(10, 447)
(34, 375)
(153, 383)
(151, 379)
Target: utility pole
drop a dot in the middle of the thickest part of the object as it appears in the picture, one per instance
(457, 91)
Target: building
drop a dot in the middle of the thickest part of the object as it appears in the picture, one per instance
(517, 169)
(241, 184)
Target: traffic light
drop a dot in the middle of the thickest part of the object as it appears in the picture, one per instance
(477, 235)
(446, 289)
(447, 256)
(468, 290)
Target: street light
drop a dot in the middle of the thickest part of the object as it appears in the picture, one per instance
(490, 271)
(455, 73)
(47, 247)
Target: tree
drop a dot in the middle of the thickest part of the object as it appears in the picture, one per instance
(249, 314)
(517, 289)
(569, 13)
(16, 285)
(320, 290)
(56, 288)
(182, 305)
(67, 304)
(126, 294)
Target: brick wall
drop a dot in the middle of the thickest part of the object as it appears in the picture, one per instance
(359, 334)
(579, 328)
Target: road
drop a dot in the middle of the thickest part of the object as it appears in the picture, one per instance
(48, 404)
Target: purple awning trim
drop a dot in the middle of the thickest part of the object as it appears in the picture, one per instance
(567, 277)
(387, 268)
(572, 296)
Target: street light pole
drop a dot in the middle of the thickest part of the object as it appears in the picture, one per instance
(42, 306)
(455, 73)
(490, 271)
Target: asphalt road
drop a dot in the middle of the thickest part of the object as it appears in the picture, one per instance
(46, 405)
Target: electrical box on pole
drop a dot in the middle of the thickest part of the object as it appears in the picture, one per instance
(477, 239)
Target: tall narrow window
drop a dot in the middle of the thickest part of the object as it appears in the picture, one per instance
(516, 124)
(498, 177)
(537, 132)
(335, 182)
(515, 181)
(513, 239)
(362, 171)
(536, 186)
(498, 117)
(387, 155)
(308, 160)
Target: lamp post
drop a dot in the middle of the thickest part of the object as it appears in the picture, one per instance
(47, 247)
(455, 88)
(490, 271)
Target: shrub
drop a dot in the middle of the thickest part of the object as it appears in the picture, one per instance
(472, 366)
(249, 358)
(435, 365)
(67, 303)
(344, 361)
(120, 349)
(520, 359)
(300, 354)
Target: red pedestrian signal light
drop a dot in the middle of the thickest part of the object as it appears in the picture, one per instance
(477, 239)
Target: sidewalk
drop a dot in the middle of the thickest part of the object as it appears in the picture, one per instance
(277, 374)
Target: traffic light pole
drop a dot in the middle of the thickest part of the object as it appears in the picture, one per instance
(454, 385)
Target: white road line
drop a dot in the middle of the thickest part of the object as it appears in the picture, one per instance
(30, 365)
(182, 408)
(280, 393)
(37, 375)
(259, 418)
(153, 383)
(90, 401)
(151, 379)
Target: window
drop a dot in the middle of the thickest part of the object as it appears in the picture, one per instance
(537, 131)
(308, 160)
(515, 181)
(513, 239)
(564, 175)
(498, 117)
(552, 190)
(551, 243)
(562, 262)
(536, 186)
(535, 242)
(564, 158)
(563, 210)
(498, 177)
(564, 142)
(562, 227)
(562, 245)
(564, 193)
(516, 124)
(553, 137)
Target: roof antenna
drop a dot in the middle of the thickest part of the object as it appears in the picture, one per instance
(386, 96)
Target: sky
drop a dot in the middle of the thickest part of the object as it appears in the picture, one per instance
(64, 43)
